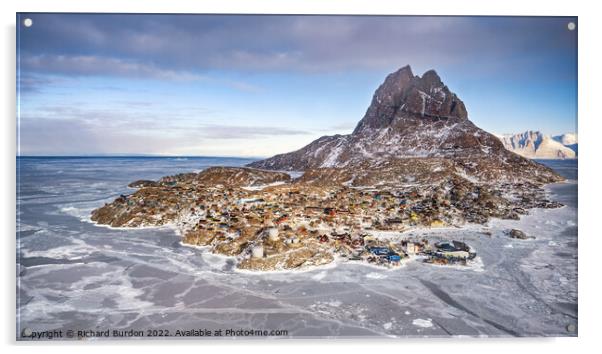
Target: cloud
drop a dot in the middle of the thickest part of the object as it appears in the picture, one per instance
(341, 128)
(218, 131)
(166, 46)
(60, 130)
(87, 65)
(488, 59)
(72, 137)
(36, 83)
(244, 86)
(144, 116)
(43, 70)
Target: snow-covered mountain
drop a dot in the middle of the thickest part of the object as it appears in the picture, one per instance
(535, 145)
(414, 129)
(569, 140)
(566, 139)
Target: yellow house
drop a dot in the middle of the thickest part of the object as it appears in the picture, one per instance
(437, 223)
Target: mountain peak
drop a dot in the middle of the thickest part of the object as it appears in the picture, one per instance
(415, 131)
(404, 95)
(405, 71)
(431, 79)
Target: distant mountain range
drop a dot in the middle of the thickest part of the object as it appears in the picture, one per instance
(535, 145)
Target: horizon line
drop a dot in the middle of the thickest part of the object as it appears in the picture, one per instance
(145, 155)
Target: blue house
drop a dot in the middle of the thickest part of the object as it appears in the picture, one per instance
(393, 257)
(379, 251)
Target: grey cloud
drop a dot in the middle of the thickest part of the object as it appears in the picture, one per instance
(146, 115)
(94, 65)
(245, 132)
(74, 66)
(244, 86)
(341, 127)
(70, 131)
(37, 83)
(71, 137)
(143, 115)
(200, 43)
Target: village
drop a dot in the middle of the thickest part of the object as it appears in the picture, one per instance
(284, 225)
(282, 221)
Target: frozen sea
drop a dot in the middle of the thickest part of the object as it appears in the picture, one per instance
(74, 275)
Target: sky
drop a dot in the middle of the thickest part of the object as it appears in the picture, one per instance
(255, 86)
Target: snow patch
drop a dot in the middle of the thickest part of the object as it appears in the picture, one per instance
(261, 187)
(375, 275)
(319, 276)
(419, 322)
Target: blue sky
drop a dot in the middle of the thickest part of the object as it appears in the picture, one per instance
(260, 85)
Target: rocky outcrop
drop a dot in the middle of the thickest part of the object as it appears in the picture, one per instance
(230, 176)
(161, 203)
(143, 183)
(518, 234)
(412, 120)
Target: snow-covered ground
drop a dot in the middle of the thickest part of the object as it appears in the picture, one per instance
(73, 274)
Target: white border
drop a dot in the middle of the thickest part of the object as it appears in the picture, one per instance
(590, 115)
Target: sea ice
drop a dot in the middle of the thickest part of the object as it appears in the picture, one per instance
(374, 275)
(419, 322)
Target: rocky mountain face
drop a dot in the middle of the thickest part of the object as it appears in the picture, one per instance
(535, 145)
(402, 92)
(415, 130)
